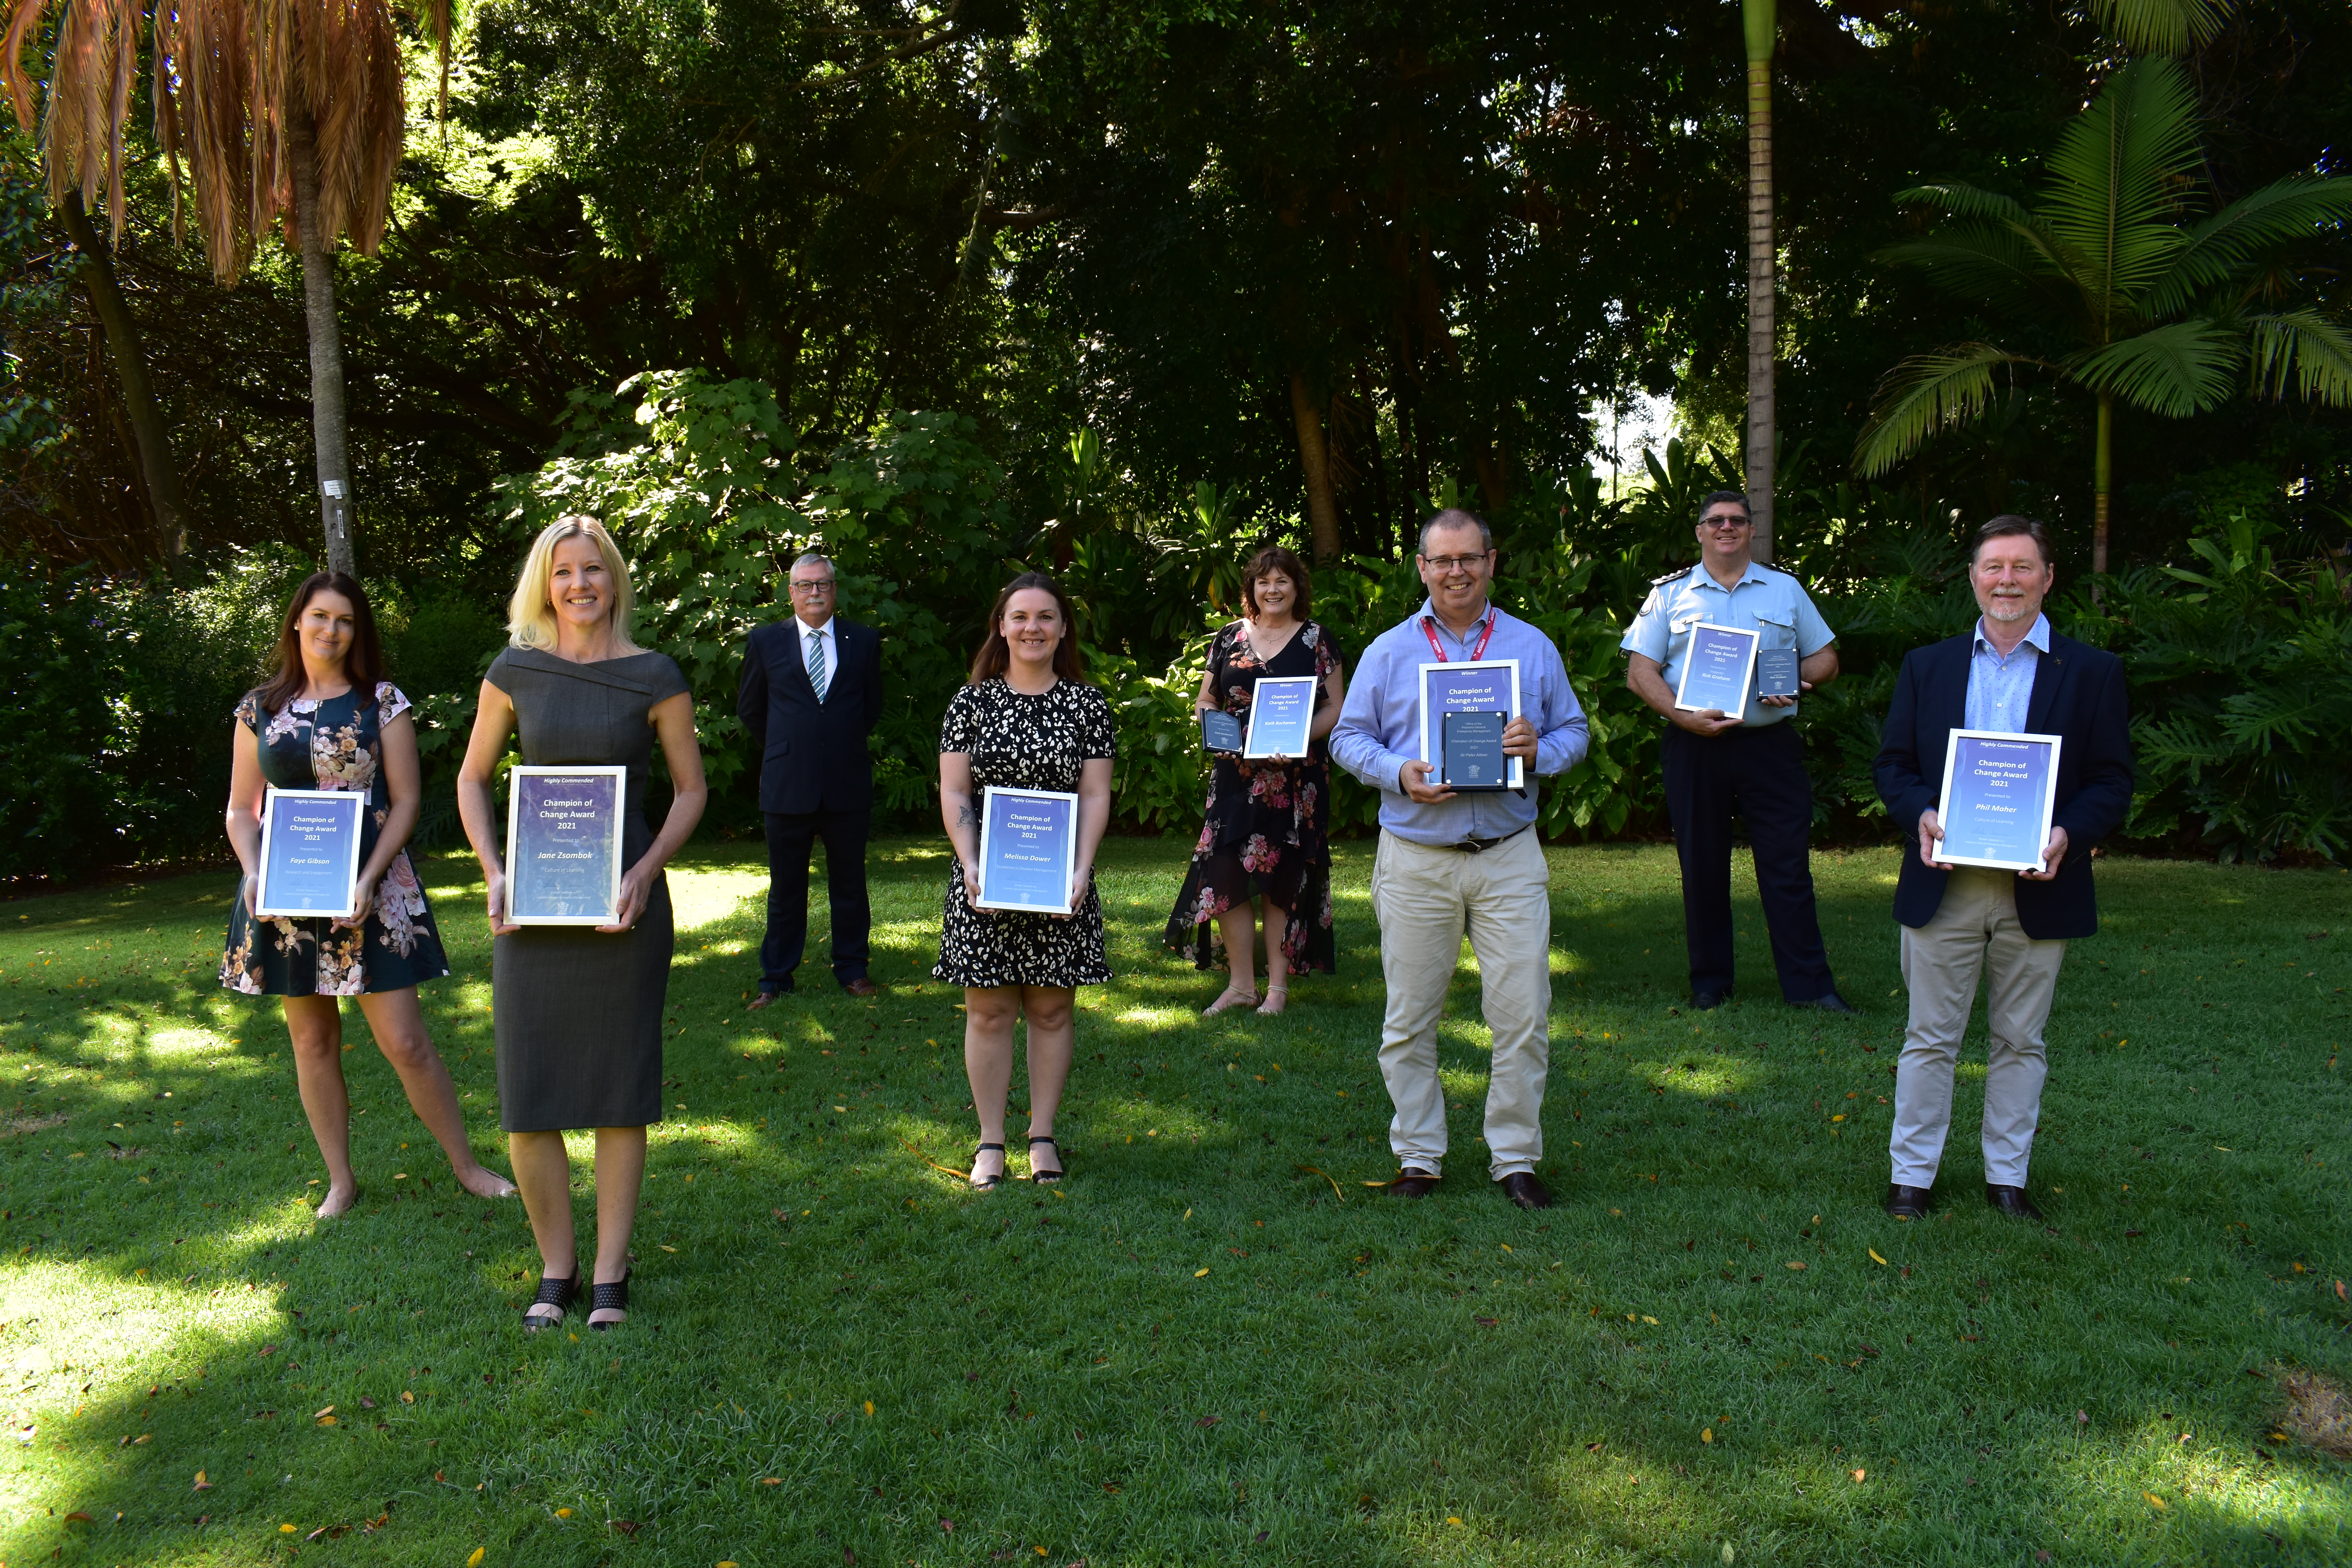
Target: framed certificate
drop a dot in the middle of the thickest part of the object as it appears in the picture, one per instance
(1028, 850)
(563, 844)
(1999, 791)
(309, 853)
(1282, 712)
(1717, 670)
(1220, 731)
(1479, 686)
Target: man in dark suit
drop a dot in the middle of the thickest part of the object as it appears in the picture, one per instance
(812, 692)
(2009, 672)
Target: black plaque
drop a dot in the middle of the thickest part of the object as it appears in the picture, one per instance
(1471, 742)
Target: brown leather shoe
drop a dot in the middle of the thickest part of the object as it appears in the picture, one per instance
(861, 986)
(1413, 1182)
(1908, 1203)
(767, 999)
(1524, 1189)
(2013, 1201)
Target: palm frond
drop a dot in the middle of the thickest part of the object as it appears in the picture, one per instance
(2000, 265)
(1924, 396)
(2114, 172)
(2222, 245)
(1964, 201)
(2307, 347)
(2161, 26)
(2173, 370)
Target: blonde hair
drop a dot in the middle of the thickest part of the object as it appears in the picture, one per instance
(531, 618)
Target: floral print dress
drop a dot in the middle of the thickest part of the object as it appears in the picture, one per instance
(1268, 824)
(334, 744)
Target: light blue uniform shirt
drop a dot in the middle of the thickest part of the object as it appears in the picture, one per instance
(1379, 729)
(1765, 601)
(2000, 689)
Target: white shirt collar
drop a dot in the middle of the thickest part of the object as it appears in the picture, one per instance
(824, 631)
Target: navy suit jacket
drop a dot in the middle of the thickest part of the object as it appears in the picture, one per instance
(811, 755)
(2079, 696)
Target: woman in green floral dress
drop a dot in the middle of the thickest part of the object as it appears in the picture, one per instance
(329, 720)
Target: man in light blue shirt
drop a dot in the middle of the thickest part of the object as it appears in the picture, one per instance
(1451, 863)
(2001, 684)
(1749, 763)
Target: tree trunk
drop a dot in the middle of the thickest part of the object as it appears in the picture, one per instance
(149, 437)
(2100, 472)
(1762, 422)
(1315, 458)
(327, 424)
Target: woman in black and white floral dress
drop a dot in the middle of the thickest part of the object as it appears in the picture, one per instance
(329, 720)
(1026, 720)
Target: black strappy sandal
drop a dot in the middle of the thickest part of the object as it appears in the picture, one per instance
(612, 1295)
(557, 1293)
(993, 1182)
(1037, 1175)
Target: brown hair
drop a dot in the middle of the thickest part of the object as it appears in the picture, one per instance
(2009, 525)
(995, 657)
(1276, 558)
(363, 661)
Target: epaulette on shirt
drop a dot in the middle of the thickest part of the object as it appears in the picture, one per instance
(1674, 576)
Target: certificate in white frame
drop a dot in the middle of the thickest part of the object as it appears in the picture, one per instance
(1028, 850)
(1290, 700)
(2006, 786)
(310, 866)
(1479, 685)
(564, 844)
(1709, 647)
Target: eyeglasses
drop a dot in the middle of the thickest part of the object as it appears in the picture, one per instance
(1451, 563)
(819, 585)
(1723, 522)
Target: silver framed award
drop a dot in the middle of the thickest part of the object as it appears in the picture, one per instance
(1475, 686)
(1281, 716)
(2000, 794)
(1718, 670)
(1028, 850)
(309, 853)
(563, 844)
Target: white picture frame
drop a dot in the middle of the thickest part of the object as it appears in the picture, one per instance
(273, 899)
(1505, 683)
(1968, 749)
(996, 805)
(1257, 749)
(1746, 686)
(527, 885)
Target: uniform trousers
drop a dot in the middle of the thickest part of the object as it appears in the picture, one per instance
(1976, 921)
(1758, 774)
(790, 835)
(1427, 901)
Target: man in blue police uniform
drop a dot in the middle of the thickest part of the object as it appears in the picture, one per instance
(1752, 762)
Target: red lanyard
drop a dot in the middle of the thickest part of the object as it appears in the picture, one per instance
(1476, 653)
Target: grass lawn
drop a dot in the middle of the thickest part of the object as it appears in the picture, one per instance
(1715, 1349)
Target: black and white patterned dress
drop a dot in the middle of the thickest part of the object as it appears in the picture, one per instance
(1018, 742)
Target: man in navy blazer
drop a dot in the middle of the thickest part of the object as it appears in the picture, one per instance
(2009, 672)
(812, 692)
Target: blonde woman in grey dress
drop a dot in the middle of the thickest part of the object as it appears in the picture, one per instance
(577, 1011)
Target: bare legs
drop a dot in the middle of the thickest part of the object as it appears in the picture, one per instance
(1238, 928)
(988, 1015)
(315, 1024)
(1278, 963)
(543, 1170)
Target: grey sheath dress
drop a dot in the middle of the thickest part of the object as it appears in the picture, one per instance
(578, 1012)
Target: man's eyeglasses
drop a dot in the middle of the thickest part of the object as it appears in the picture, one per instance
(1454, 563)
(817, 585)
(1723, 522)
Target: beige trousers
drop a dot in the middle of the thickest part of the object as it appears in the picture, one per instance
(1426, 901)
(1941, 962)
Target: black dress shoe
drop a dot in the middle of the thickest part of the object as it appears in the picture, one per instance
(1523, 1189)
(1908, 1203)
(2013, 1201)
(1709, 1001)
(1413, 1182)
(1831, 1002)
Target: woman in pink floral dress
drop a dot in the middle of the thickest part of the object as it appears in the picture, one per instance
(1266, 838)
(329, 720)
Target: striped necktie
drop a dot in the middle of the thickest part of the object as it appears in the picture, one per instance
(816, 664)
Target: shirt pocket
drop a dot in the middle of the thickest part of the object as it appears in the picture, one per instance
(1776, 629)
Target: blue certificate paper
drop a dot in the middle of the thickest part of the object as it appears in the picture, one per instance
(1282, 712)
(1999, 791)
(1477, 686)
(1028, 850)
(1718, 668)
(309, 853)
(563, 844)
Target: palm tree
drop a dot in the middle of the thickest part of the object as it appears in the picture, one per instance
(1759, 24)
(2114, 289)
(289, 113)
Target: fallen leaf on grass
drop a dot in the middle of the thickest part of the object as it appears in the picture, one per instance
(1706, 1434)
(1861, 1475)
(1875, 1258)
(77, 1515)
(202, 1485)
(1336, 1196)
(1200, 1274)
(1797, 1266)
(406, 1397)
(771, 1480)
(1484, 1322)
(625, 1526)
(476, 1560)
(2157, 1500)
(1208, 1421)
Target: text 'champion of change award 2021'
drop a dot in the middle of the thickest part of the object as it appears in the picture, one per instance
(1718, 668)
(1220, 731)
(563, 844)
(1777, 672)
(1999, 792)
(1282, 713)
(309, 853)
(1480, 686)
(1472, 744)
(1028, 850)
